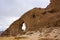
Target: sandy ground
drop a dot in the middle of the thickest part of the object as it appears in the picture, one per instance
(24, 38)
(47, 34)
(34, 36)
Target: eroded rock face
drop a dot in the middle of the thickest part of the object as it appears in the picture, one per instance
(37, 19)
(31, 19)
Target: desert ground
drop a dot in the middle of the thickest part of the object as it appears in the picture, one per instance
(25, 38)
(34, 36)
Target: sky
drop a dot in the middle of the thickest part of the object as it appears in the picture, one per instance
(11, 10)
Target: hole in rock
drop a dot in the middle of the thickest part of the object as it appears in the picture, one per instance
(24, 27)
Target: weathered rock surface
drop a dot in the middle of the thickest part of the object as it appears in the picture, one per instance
(46, 21)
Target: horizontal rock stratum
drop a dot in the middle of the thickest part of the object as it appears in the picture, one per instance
(45, 20)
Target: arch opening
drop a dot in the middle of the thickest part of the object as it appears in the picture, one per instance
(24, 27)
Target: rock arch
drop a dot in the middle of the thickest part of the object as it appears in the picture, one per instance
(36, 19)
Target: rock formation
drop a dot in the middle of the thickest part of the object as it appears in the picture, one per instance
(31, 19)
(36, 19)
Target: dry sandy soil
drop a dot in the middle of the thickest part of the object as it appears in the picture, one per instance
(25, 38)
(34, 36)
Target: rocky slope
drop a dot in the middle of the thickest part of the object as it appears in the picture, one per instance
(46, 21)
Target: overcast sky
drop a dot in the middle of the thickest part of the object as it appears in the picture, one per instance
(10, 10)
